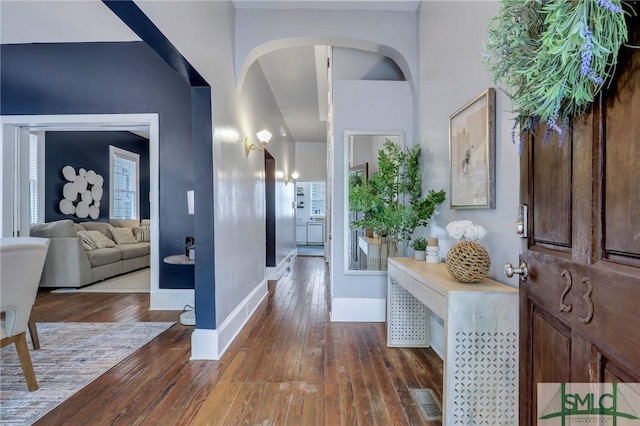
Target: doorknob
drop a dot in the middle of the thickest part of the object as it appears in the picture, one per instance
(522, 270)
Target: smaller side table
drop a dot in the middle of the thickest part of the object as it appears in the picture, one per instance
(188, 317)
(179, 259)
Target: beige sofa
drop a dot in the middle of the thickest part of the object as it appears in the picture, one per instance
(70, 263)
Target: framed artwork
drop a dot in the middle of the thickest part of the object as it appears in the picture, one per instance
(472, 154)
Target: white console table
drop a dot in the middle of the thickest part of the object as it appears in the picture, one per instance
(370, 248)
(481, 337)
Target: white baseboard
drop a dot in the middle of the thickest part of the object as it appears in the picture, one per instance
(358, 310)
(204, 344)
(211, 344)
(275, 272)
(170, 299)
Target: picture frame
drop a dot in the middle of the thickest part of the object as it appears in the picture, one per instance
(472, 153)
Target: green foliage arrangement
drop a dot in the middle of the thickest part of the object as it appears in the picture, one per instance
(554, 56)
(419, 244)
(391, 200)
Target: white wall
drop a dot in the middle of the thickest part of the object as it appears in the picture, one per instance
(311, 161)
(362, 105)
(354, 64)
(259, 105)
(451, 74)
(391, 34)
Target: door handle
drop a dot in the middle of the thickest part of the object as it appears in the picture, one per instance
(522, 270)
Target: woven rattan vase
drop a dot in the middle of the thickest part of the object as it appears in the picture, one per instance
(468, 262)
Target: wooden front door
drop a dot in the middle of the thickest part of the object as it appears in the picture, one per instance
(580, 306)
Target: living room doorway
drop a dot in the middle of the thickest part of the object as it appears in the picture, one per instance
(15, 179)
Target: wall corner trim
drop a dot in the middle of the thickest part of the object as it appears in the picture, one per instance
(211, 344)
(358, 310)
(274, 273)
(204, 345)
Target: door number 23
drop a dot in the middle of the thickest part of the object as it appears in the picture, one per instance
(586, 296)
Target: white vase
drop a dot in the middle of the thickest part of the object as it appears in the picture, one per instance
(420, 255)
(433, 254)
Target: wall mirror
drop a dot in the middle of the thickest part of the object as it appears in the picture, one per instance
(363, 249)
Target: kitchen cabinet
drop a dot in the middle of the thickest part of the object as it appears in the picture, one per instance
(301, 233)
(315, 233)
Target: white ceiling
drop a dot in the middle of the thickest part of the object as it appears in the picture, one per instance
(297, 76)
(24, 21)
(390, 5)
(291, 74)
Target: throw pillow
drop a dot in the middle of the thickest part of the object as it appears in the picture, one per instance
(124, 223)
(100, 239)
(87, 242)
(123, 236)
(143, 233)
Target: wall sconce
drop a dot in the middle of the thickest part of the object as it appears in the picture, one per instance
(263, 136)
(293, 178)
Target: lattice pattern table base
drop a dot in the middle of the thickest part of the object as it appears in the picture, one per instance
(486, 378)
(408, 319)
(481, 333)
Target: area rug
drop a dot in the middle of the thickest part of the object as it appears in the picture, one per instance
(133, 282)
(72, 355)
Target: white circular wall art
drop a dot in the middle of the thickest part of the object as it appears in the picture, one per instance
(82, 194)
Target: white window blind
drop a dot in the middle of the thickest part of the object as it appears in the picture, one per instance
(317, 198)
(34, 193)
(125, 184)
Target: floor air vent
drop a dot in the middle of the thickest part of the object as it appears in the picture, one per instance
(428, 403)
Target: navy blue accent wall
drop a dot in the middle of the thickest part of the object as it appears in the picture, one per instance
(90, 151)
(114, 78)
(201, 141)
(203, 205)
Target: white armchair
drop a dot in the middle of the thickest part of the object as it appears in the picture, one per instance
(21, 263)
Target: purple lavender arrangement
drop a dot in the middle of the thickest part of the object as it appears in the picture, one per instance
(533, 48)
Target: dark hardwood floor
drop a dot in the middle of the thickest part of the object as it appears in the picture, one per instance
(289, 366)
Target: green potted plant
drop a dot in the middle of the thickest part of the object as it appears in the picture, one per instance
(420, 248)
(391, 201)
(554, 57)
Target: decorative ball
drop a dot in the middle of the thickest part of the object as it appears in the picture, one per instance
(468, 262)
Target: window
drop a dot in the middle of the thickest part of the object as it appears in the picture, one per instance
(317, 198)
(124, 199)
(36, 178)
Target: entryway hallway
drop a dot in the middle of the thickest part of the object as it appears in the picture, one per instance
(289, 366)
